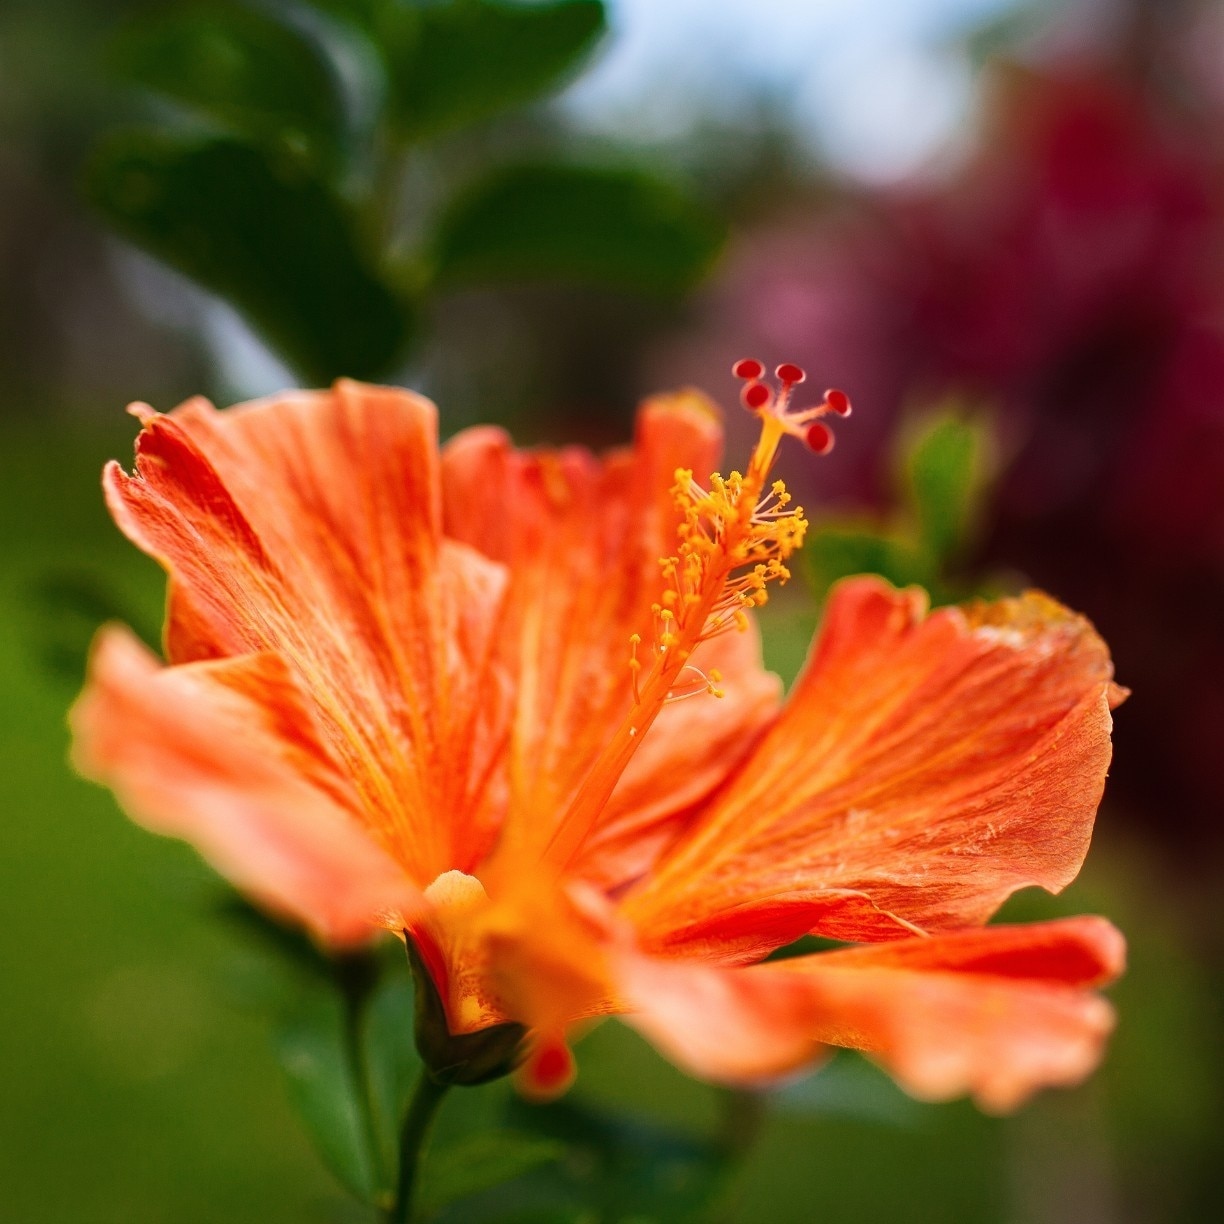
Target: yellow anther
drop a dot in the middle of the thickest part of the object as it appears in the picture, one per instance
(731, 541)
(635, 666)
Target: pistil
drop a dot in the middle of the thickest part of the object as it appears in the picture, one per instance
(733, 539)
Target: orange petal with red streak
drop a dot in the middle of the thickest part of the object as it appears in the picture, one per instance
(226, 756)
(582, 538)
(549, 1069)
(691, 747)
(924, 769)
(996, 1013)
(308, 525)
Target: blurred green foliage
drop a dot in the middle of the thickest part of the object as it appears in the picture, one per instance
(242, 70)
(480, 1163)
(323, 1091)
(281, 181)
(263, 233)
(454, 63)
(943, 466)
(621, 228)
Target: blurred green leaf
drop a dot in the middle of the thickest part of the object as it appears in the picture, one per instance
(943, 477)
(66, 608)
(263, 233)
(392, 1063)
(617, 1168)
(453, 63)
(943, 465)
(365, 15)
(806, 945)
(311, 1050)
(837, 548)
(241, 68)
(481, 1162)
(343, 1040)
(289, 946)
(620, 228)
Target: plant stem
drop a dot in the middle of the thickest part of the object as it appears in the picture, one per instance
(418, 1121)
(359, 1067)
(743, 1117)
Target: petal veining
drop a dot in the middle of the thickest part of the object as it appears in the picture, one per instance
(226, 755)
(996, 1013)
(582, 538)
(924, 769)
(308, 526)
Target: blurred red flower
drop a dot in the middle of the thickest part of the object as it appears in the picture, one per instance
(1071, 274)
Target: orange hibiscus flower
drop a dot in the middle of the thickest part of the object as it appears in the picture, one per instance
(511, 704)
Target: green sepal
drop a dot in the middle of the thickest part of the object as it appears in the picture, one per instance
(459, 1058)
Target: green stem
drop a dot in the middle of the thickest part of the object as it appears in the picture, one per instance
(359, 1066)
(743, 1117)
(418, 1122)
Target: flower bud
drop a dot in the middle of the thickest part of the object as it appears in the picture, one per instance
(459, 1058)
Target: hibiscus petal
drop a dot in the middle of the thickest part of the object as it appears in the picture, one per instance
(582, 537)
(996, 1013)
(308, 525)
(924, 769)
(716, 1023)
(225, 755)
(691, 747)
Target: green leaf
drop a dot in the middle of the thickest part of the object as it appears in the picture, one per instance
(392, 1064)
(295, 953)
(836, 550)
(263, 233)
(618, 1168)
(620, 228)
(311, 1050)
(240, 68)
(65, 608)
(361, 14)
(943, 475)
(806, 945)
(481, 1162)
(453, 63)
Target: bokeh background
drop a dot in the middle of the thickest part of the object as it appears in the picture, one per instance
(998, 224)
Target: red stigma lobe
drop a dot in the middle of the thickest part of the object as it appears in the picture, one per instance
(770, 398)
(837, 401)
(819, 438)
(755, 395)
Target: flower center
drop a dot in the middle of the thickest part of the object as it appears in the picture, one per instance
(733, 539)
